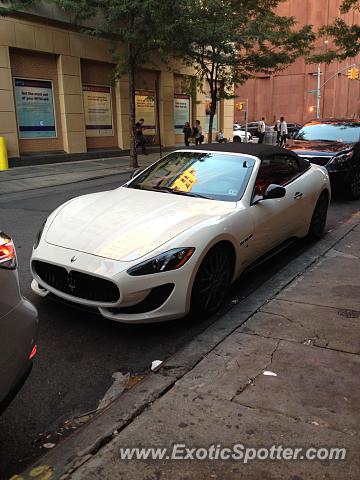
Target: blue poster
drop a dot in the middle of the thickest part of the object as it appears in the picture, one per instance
(181, 111)
(34, 108)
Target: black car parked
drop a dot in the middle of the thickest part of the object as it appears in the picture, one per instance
(333, 143)
(293, 128)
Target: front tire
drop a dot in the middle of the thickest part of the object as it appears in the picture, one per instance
(212, 281)
(353, 188)
(237, 139)
(318, 219)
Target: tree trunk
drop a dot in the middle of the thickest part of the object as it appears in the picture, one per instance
(132, 119)
(212, 114)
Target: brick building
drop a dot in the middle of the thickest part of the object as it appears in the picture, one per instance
(287, 93)
(57, 92)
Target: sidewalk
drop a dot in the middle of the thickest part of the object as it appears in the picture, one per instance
(20, 179)
(305, 332)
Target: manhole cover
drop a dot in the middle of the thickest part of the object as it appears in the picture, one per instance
(348, 313)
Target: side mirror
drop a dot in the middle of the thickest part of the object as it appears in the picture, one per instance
(274, 191)
(134, 173)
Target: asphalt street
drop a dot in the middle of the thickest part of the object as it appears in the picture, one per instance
(79, 351)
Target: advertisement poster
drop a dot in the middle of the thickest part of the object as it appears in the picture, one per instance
(98, 111)
(207, 109)
(181, 111)
(145, 108)
(34, 108)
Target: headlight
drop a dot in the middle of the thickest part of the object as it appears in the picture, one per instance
(38, 235)
(7, 252)
(344, 157)
(170, 260)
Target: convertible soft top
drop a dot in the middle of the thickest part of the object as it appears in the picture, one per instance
(258, 150)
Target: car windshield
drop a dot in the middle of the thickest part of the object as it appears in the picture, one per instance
(346, 132)
(210, 175)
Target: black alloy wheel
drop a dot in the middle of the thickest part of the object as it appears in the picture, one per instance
(318, 220)
(237, 139)
(354, 184)
(212, 281)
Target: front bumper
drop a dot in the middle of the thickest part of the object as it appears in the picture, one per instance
(142, 299)
(339, 175)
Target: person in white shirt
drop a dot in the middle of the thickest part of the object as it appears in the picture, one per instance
(277, 130)
(261, 129)
(283, 131)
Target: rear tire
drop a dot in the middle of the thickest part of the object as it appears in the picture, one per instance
(237, 139)
(318, 219)
(212, 281)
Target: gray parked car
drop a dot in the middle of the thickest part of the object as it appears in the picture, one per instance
(18, 326)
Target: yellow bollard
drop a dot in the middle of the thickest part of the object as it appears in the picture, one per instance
(4, 164)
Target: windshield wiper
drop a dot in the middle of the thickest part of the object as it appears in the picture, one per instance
(322, 140)
(167, 190)
(180, 192)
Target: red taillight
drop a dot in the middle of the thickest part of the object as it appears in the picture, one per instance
(33, 352)
(7, 252)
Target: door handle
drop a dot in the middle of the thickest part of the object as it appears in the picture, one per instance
(298, 195)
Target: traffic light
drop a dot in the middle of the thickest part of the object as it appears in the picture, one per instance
(353, 73)
(240, 106)
(312, 108)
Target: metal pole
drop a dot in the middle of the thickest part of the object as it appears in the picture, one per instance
(318, 91)
(246, 120)
(158, 113)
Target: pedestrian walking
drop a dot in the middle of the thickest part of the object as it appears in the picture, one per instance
(197, 133)
(187, 133)
(283, 131)
(140, 137)
(261, 129)
(277, 130)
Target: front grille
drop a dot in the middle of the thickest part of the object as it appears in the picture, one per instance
(322, 160)
(77, 284)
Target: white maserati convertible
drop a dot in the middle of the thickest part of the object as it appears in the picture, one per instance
(179, 233)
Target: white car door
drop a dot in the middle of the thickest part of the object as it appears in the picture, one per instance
(275, 220)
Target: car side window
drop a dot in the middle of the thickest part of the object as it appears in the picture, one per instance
(278, 169)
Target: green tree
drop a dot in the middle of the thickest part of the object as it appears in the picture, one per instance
(139, 25)
(229, 41)
(346, 38)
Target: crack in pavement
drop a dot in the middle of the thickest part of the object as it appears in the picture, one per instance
(319, 424)
(251, 380)
(291, 320)
(315, 335)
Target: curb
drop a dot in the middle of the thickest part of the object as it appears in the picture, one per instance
(85, 442)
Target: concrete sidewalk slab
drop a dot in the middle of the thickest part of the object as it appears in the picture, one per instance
(229, 368)
(329, 327)
(185, 417)
(334, 282)
(313, 385)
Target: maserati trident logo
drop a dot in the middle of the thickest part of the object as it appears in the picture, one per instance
(72, 259)
(71, 283)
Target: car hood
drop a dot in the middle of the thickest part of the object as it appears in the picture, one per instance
(126, 224)
(304, 147)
